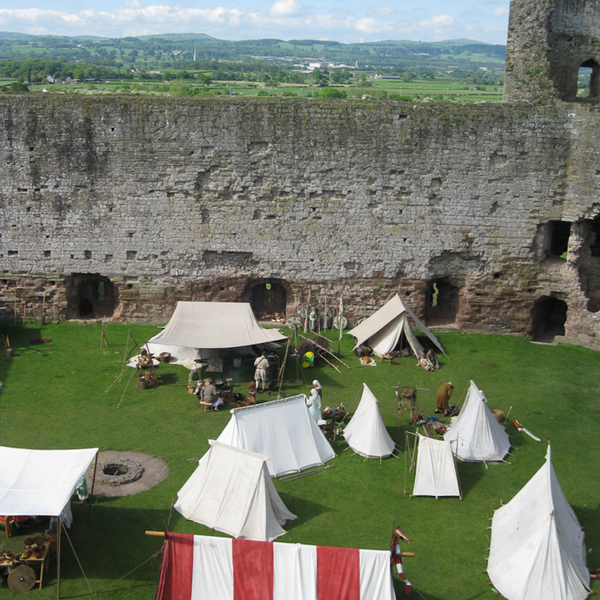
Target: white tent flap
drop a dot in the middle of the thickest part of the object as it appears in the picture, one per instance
(40, 482)
(436, 470)
(366, 433)
(282, 430)
(537, 550)
(476, 435)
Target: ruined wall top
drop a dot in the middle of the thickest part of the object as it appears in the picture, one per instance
(548, 41)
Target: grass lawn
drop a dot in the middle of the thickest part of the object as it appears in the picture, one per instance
(65, 394)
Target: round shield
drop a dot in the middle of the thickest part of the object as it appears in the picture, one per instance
(308, 360)
(21, 579)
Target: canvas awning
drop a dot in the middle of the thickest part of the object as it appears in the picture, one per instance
(214, 325)
(40, 482)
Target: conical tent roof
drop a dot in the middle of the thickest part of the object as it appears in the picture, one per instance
(366, 433)
(436, 470)
(476, 435)
(231, 491)
(537, 550)
(382, 330)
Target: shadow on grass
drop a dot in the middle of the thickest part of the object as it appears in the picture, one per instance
(469, 474)
(306, 509)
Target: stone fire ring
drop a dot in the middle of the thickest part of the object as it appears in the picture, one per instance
(125, 473)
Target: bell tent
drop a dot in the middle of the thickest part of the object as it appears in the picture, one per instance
(282, 430)
(231, 491)
(436, 469)
(537, 549)
(366, 433)
(476, 435)
(383, 329)
(199, 329)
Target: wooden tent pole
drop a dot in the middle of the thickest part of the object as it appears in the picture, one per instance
(58, 528)
(91, 499)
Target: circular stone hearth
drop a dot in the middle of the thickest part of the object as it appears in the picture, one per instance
(125, 473)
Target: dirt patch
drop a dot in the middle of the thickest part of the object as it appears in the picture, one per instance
(154, 470)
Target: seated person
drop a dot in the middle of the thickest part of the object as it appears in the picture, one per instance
(210, 395)
(433, 360)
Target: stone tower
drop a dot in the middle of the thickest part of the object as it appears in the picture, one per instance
(548, 41)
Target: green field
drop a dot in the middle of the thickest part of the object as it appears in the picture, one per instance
(66, 394)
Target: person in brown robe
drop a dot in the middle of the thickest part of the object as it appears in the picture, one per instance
(441, 398)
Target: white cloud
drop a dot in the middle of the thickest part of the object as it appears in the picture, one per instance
(501, 12)
(437, 21)
(285, 8)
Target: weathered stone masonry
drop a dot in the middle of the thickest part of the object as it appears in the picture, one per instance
(120, 206)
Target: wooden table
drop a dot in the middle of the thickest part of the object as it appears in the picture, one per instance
(42, 562)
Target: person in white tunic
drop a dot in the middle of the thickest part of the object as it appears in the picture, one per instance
(314, 405)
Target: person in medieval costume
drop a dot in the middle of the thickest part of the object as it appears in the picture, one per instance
(441, 398)
(397, 537)
(314, 405)
(261, 366)
(82, 489)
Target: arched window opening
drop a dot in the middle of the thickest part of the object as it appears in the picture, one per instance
(548, 316)
(588, 81)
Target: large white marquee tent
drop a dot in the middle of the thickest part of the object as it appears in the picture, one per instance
(199, 329)
(382, 330)
(537, 549)
(283, 430)
(231, 491)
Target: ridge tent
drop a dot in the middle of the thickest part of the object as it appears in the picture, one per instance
(476, 435)
(231, 491)
(366, 433)
(198, 567)
(199, 329)
(436, 470)
(382, 330)
(41, 483)
(537, 549)
(282, 430)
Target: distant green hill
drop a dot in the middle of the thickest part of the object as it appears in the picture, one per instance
(185, 50)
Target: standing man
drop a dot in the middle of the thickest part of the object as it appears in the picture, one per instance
(261, 367)
(441, 398)
(398, 536)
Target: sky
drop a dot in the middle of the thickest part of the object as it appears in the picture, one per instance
(346, 21)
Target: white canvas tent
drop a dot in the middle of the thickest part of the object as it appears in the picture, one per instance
(231, 491)
(436, 470)
(476, 435)
(382, 330)
(537, 550)
(283, 430)
(200, 329)
(366, 433)
(41, 482)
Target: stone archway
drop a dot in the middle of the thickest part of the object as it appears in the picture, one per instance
(92, 296)
(268, 299)
(441, 303)
(548, 318)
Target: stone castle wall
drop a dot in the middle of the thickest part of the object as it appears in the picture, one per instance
(164, 200)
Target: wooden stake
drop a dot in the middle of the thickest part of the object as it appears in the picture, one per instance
(43, 319)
